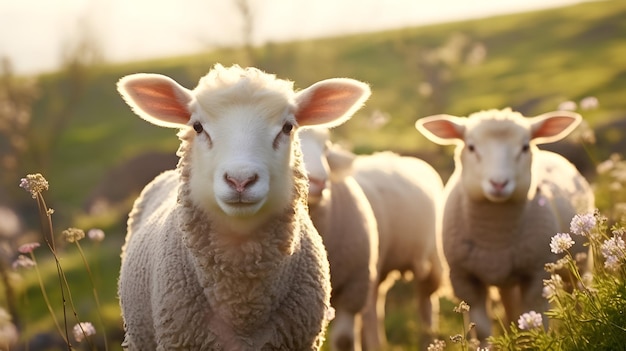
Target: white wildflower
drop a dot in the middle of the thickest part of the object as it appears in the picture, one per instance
(530, 320)
(34, 184)
(23, 262)
(582, 224)
(548, 292)
(561, 242)
(613, 251)
(96, 235)
(82, 330)
(73, 235)
(437, 345)
(589, 103)
(567, 106)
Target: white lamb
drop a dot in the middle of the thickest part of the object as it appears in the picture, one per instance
(221, 253)
(403, 193)
(504, 201)
(343, 216)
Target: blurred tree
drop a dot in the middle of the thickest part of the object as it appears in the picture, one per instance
(17, 95)
(78, 56)
(247, 14)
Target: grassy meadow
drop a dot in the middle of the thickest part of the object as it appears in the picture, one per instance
(531, 62)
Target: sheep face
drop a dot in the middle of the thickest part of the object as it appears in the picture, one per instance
(324, 162)
(314, 143)
(241, 160)
(494, 148)
(239, 124)
(496, 160)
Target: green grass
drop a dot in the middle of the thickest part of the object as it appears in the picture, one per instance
(104, 263)
(534, 61)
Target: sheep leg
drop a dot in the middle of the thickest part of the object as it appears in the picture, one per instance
(469, 289)
(428, 302)
(343, 332)
(512, 302)
(373, 336)
(425, 312)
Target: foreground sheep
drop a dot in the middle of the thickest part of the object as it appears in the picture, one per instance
(343, 216)
(504, 201)
(221, 253)
(404, 193)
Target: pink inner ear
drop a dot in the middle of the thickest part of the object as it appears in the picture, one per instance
(443, 129)
(159, 99)
(553, 126)
(326, 103)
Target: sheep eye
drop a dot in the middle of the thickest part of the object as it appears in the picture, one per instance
(287, 128)
(471, 148)
(198, 127)
(525, 148)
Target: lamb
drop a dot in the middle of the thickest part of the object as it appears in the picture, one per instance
(345, 220)
(221, 253)
(404, 193)
(504, 201)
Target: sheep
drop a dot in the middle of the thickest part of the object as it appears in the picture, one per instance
(344, 218)
(220, 252)
(504, 201)
(404, 193)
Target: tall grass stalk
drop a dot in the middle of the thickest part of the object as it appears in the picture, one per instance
(42, 287)
(36, 184)
(95, 293)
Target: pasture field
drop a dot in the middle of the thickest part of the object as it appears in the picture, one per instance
(531, 62)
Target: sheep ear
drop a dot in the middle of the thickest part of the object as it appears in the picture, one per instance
(553, 126)
(330, 102)
(340, 162)
(156, 98)
(442, 129)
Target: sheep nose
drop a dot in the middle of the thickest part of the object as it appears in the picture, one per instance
(316, 186)
(321, 183)
(499, 186)
(240, 184)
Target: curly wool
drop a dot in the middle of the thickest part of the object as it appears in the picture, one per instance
(215, 292)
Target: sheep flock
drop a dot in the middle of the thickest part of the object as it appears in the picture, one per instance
(267, 233)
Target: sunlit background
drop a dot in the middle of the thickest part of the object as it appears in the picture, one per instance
(35, 33)
(61, 116)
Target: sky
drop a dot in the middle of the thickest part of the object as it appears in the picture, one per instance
(34, 33)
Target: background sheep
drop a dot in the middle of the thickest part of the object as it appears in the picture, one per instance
(404, 194)
(221, 253)
(342, 215)
(504, 201)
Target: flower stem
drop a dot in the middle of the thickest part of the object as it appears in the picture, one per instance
(46, 299)
(46, 220)
(95, 293)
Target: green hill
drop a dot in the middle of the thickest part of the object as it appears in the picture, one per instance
(529, 61)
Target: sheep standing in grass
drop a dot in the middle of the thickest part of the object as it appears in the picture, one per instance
(503, 203)
(404, 193)
(221, 253)
(343, 216)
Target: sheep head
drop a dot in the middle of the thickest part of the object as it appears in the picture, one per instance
(324, 162)
(240, 126)
(495, 148)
